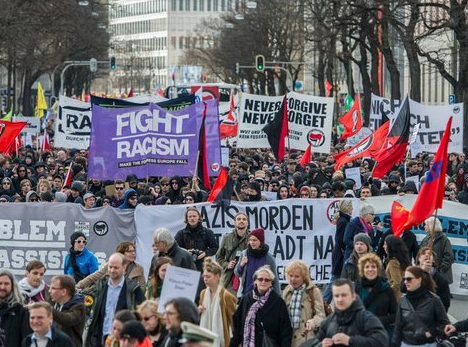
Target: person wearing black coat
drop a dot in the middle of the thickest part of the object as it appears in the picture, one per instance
(260, 312)
(197, 239)
(350, 324)
(408, 237)
(342, 218)
(375, 291)
(420, 316)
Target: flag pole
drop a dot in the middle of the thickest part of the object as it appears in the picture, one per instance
(196, 169)
(432, 232)
(235, 192)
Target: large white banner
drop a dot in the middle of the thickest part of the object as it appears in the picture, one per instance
(256, 111)
(454, 218)
(310, 120)
(294, 229)
(42, 231)
(73, 124)
(433, 120)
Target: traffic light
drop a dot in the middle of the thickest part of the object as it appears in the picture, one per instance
(259, 63)
(112, 63)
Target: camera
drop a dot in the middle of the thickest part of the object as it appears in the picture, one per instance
(195, 253)
(238, 254)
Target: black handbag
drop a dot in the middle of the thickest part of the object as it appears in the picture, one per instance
(267, 341)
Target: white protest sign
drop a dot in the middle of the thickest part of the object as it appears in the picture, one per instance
(414, 134)
(73, 124)
(433, 120)
(354, 174)
(416, 148)
(178, 283)
(256, 111)
(382, 106)
(310, 122)
(33, 126)
(225, 156)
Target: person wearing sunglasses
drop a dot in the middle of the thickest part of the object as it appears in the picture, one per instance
(7, 187)
(262, 316)
(153, 322)
(130, 199)
(118, 196)
(420, 316)
(79, 262)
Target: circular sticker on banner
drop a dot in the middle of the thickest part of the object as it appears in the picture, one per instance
(456, 109)
(100, 228)
(331, 210)
(208, 94)
(88, 300)
(215, 167)
(316, 137)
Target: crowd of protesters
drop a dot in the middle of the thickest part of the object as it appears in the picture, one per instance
(378, 297)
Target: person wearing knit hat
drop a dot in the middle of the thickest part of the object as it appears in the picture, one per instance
(133, 334)
(79, 262)
(362, 246)
(251, 259)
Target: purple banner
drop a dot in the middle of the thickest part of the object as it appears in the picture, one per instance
(145, 141)
(213, 144)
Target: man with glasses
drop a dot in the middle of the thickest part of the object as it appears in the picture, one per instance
(69, 310)
(130, 199)
(362, 224)
(165, 185)
(118, 196)
(178, 310)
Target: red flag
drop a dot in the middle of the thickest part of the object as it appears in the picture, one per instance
(45, 142)
(130, 94)
(371, 143)
(277, 130)
(431, 195)
(307, 156)
(69, 177)
(203, 173)
(352, 120)
(228, 127)
(328, 87)
(222, 189)
(8, 132)
(399, 217)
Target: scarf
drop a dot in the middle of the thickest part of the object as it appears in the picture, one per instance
(259, 252)
(249, 325)
(367, 227)
(29, 290)
(212, 318)
(295, 308)
(370, 291)
(76, 270)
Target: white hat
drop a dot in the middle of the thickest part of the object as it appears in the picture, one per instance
(88, 195)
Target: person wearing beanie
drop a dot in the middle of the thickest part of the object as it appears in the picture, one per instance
(133, 334)
(76, 189)
(130, 199)
(362, 246)
(79, 262)
(178, 310)
(251, 259)
(254, 192)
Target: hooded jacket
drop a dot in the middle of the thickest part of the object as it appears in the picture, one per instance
(126, 205)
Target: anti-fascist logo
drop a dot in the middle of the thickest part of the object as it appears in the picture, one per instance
(332, 209)
(316, 137)
(100, 228)
(215, 167)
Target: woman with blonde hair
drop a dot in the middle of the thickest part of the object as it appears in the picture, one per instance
(153, 322)
(304, 302)
(217, 305)
(375, 291)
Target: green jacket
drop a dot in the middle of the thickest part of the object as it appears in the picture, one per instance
(130, 296)
(230, 246)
